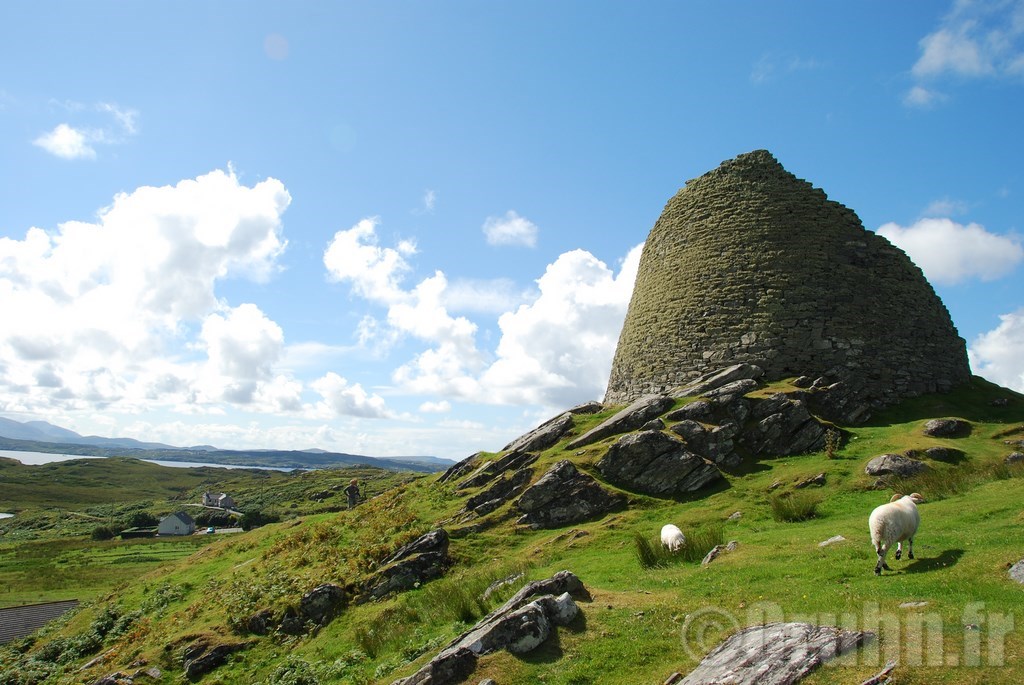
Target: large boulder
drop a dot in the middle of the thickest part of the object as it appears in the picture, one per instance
(564, 495)
(947, 428)
(203, 656)
(632, 417)
(894, 465)
(773, 654)
(322, 603)
(656, 464)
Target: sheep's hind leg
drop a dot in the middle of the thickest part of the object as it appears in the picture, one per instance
(899, 550)
(881, 562)
(910, 551)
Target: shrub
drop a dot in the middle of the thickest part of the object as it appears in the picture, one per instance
(833, 439)
(102, 533)
(794, 506)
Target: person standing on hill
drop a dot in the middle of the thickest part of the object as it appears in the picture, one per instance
(352, 492)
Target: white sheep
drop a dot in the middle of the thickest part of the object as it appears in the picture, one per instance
(894, 522)
(672, 538)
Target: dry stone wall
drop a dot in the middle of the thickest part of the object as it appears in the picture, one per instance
(748, 263)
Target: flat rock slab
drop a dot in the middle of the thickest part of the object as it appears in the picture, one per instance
(630, 418)
(773, 654)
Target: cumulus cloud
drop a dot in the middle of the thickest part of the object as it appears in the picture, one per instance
(495, 295)
(919, 96)
(556, 346)
(441, 407)
(510, 229)
(974, 40)
(557, 351)
(998, 355)
(950, 253)
(374, 272)
(66, 142)
(106, 307)
(340, 398)
(80, 141)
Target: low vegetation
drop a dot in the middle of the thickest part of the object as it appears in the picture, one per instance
(638, 624)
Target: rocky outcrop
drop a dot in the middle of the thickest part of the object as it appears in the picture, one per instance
(716, 379)
(499, 492)
(564, 495)
(773, 654)
(421, 560)
(487, 471)
(551, 431)
(203, 656)
(654, 463)
(322, 603)
(894, 465)
(947, 428)
(715, 443)
(1014, 458)
(631, 418)
(520, 625)
(460, 469)
(782, 426)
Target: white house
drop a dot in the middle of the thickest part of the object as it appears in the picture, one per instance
(178, 523)
(218, 499)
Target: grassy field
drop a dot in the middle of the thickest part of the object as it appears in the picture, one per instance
(950, 616)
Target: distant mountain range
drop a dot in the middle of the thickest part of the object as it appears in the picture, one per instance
(40, 436)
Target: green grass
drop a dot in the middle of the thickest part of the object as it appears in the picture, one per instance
(638, 623)
(794, 506)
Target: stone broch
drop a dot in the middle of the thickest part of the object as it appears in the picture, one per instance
(748, 263)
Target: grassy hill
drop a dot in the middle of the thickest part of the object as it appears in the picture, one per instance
(643, 621)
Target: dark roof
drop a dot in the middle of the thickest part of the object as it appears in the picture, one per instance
(182, 516)
(17, 622)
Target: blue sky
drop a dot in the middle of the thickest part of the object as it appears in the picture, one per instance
(397, 228)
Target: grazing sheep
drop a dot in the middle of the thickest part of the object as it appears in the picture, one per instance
(894, 522)
(672, 538)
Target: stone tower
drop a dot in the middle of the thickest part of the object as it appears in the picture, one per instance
(748, 263)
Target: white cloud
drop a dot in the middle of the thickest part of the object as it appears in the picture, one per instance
(951, 253)
(919, 96)
(429, 199)
(241, 349)
(558, 350)
(975, 40)
(66, 142)
(945, 207)
(441, 407)
(342, 399)
(374, 272)
(496, 295)
(998, 355)
(952, 50)
(510, 229)
(79, 141)
(111, 308)
(555, 351)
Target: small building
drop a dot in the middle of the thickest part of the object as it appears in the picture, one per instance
(218, 499)
(178, 523)
(129, 533)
